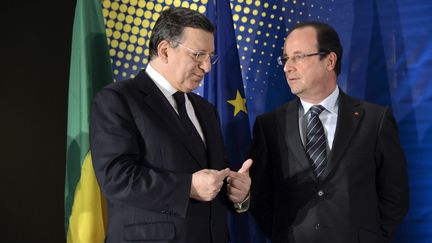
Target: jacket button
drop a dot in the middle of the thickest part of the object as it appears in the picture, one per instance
(317, 226)
(320, 193)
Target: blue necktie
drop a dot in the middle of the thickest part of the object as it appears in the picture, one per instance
(316, 142)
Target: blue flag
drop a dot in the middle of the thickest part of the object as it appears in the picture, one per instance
(224, 88)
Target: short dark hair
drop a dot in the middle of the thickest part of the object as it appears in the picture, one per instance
(171, 24)
(328, 40)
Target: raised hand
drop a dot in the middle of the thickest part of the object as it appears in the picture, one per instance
(239, 183)
(206, 183)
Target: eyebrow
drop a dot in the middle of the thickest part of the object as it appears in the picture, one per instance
(203, 51)
(297, 52)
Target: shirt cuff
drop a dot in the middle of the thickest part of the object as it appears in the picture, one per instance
(243, 206)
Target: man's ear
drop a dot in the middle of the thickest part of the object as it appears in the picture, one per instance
(162, 50)
(331, 61)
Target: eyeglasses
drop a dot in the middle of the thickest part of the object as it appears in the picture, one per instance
(282, 60)
(200, 56)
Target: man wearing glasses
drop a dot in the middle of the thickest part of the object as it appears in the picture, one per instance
(157, 148)
(327, 167)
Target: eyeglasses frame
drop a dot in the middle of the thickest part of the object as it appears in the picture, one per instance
(282, 60)
(195, 54)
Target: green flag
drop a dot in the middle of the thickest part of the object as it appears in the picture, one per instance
(90, 70)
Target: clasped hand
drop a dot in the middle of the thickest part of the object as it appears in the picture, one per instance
(207, 183)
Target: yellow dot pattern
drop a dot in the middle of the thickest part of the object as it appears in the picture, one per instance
(128, 28)
(261, 28)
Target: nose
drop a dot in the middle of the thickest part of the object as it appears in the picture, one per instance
(288, 67)
(206, 65)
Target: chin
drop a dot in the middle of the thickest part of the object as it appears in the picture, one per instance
(295, 91)
(189, 89)
(194, 85)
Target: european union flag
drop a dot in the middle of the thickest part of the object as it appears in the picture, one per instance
(224, 88)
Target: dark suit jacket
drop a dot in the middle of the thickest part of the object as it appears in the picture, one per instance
(144, 163)
(361, 197)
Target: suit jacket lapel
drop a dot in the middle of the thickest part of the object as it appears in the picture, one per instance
(288, 122)
(163, 109)
(349, 117)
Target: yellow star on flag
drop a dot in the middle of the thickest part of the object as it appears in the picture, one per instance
(239, 104)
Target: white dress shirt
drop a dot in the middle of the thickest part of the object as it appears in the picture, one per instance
(328, 117)
(168, 90)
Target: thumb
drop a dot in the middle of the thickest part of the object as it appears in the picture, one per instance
(246, 166)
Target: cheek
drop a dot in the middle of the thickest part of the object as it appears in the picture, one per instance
(190, 69)
(320, 73)
(183, 70)
(304, 74)
(311, 74)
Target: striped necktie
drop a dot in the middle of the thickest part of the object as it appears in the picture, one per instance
(316, 142)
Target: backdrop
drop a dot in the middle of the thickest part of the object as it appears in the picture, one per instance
(387, 60)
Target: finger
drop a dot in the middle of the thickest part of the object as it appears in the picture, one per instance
(236, 195)
(240, 185)
(211, 171)
(233, 198)
(231, 175)
(236, 175)
(245, 167)
(222, 173)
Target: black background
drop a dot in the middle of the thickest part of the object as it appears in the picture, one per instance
(35, 55)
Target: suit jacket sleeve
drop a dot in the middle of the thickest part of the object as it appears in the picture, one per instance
(392, 179)
(261, 205)
(117, 155)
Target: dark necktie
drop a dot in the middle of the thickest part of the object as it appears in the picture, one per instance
(179, 97)
(316, 142)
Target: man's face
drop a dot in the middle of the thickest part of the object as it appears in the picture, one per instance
(307, 77)
(185, 72)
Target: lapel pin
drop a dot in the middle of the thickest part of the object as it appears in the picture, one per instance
(356, 113)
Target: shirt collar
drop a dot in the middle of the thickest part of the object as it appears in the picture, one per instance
(163, 84)
(329, 103)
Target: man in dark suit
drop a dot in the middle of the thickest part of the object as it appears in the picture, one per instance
(328, 168)
(157, 148)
